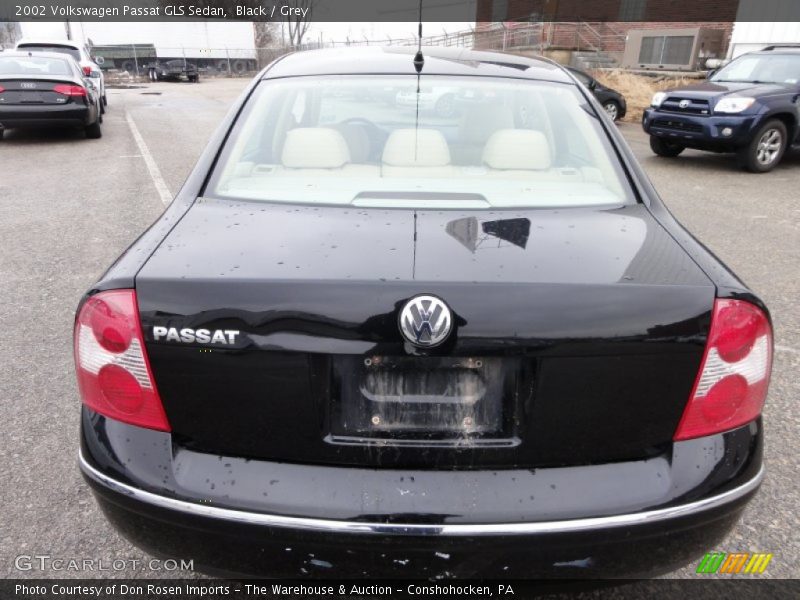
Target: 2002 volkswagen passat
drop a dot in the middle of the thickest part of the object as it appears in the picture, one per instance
(367, 339)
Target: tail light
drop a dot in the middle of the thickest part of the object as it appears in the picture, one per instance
(114, 374)
(87, 71)
(732, 384)
(70, 90)
(2, 89)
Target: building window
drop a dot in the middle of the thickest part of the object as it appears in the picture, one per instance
(499, 10)
(632, 10)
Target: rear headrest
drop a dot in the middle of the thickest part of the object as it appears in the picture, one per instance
(416, 148)
(518, 149)
(314, 148)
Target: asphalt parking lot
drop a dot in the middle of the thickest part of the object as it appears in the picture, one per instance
(69, 206)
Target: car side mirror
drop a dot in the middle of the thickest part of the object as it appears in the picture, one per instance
(593, 85)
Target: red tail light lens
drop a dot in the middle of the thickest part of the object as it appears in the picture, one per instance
(69, 90)
(732, 384)
(114, 374)
(87, 71)
(2, 89)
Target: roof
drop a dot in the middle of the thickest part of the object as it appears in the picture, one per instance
(398, 60)
(46, 42)
(26, 54)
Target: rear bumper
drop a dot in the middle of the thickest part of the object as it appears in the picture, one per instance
(722, 133)
(275, 519)
(26, 116)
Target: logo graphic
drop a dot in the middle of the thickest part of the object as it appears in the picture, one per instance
(27, 86)
(426, 321)
(684, 103)
(734, 562)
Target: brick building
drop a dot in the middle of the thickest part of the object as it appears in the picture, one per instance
(604, 25)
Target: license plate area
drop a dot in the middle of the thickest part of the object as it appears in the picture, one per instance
(409, 400)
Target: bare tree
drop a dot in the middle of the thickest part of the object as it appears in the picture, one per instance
(266, 35)
(10, 32)
(297, 23)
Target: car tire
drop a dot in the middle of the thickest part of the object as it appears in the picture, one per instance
(766, 149)
(93, 131)
(612, 109)
(445, 106)
(2, 131)
(664, 148)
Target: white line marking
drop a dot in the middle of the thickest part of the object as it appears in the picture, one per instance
(155, 174)
(787, 349)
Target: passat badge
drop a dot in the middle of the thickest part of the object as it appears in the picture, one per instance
(426, 321)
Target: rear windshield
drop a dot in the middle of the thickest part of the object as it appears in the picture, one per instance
(33, 65)
(73, 52)
(454, 142)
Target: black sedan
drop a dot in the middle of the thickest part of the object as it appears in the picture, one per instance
(612, 101)
(174, 70)
(365, 341)
(45, 90)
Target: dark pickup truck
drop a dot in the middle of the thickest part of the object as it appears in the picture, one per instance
(749, 107)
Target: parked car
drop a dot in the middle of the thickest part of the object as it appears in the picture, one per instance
(613, 102)
(328, 361)
(45, 89)
(439, 99)
(174, 70)
(80, 52)
(748, 107)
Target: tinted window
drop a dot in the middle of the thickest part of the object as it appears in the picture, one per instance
(60, 49)
(458, 141)
(582, 77)
(33, 65)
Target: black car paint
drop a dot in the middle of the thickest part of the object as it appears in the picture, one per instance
(147, 459)
(76, 111)
(316, 292)
(603, 93)
(688, 471)
(702, 130)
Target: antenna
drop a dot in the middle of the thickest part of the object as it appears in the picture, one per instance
(419, 62)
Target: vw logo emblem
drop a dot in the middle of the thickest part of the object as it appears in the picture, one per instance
(684, 103)
(426, 321)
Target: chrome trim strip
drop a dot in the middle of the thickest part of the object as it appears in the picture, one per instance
(455, 529)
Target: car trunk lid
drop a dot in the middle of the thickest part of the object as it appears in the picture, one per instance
(577, 334)
(34, 91)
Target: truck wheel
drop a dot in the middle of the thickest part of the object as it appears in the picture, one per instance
(664, 148)
(93, 131)
(766, 148)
